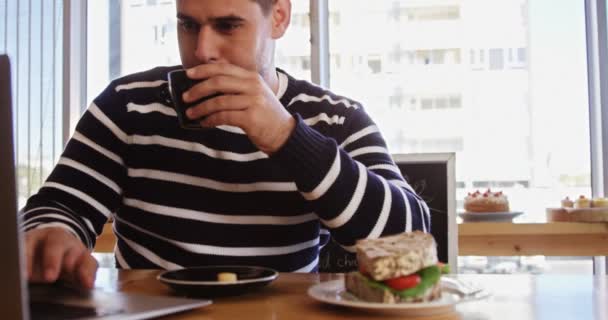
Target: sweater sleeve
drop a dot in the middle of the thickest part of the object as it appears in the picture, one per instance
(84, 189)
(354, 187)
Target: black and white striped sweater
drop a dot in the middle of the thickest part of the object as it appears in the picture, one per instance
(187, 198)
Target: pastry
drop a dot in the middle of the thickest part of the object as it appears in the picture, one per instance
(567, 203)
(486, 202)
(600, 203)
(582, 202)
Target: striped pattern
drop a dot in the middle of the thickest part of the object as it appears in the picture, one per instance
(186, 198)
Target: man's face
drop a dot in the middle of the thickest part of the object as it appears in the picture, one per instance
(229, 31)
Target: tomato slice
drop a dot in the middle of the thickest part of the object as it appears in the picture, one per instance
(405, 282)
(362, 270)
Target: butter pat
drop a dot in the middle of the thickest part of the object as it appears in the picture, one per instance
(226, 277)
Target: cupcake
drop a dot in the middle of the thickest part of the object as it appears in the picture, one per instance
(600, 203)
(567, 203)
(582, 202)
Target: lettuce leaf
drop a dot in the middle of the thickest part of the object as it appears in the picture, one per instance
(429, 276)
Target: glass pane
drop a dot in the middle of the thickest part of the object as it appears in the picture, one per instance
(502, 84)
(136, 35)
(293, 50)
(30, 32)
(130, 36)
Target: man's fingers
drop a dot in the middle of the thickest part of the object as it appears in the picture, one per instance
(220, 103)
(73, 261)
(206, 71)
(86, 269)
(71, 257)
(32, 240)
(230, 118)
(52, 254)
(218, 84)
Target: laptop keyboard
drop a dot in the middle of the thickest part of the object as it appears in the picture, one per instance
(58, 311)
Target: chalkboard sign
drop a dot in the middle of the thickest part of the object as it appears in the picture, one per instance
(432, 176)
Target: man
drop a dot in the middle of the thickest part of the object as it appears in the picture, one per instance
(279, 159)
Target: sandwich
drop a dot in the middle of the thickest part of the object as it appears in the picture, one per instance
(396, 269)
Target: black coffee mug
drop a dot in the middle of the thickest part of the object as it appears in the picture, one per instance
(178, 84)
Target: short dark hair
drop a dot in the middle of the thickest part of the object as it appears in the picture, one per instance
(266, 5)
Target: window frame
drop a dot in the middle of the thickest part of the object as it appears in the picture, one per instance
(597, 73)
(74, 64)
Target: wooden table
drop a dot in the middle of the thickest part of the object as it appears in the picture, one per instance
(502, 239)
(514, 297)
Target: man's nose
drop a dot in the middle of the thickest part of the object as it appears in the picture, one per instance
(207, 50)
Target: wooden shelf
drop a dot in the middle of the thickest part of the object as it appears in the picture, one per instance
(549, 239)
(501, 239)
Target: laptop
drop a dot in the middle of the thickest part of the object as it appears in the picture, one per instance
(18, 300)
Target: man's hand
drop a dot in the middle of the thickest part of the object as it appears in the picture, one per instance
(247, 102)
(54, 253)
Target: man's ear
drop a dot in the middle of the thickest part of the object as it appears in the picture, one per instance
(281, 16)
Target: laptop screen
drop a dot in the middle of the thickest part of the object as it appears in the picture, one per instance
(13, 301)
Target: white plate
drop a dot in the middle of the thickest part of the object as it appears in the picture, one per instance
(488, 216)
(334, 292)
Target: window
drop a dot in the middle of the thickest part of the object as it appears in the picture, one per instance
(374, 64)
(121, 34)
(474, 106)
(498, 128)
(521, 55)
(120, 38)
(496, 59)
(439, 101)
(455, 101)
(300, 20)
(30, 32)
(295, 43)
(334, 18)
(427, 13)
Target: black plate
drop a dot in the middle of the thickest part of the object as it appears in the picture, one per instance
(202, 281)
